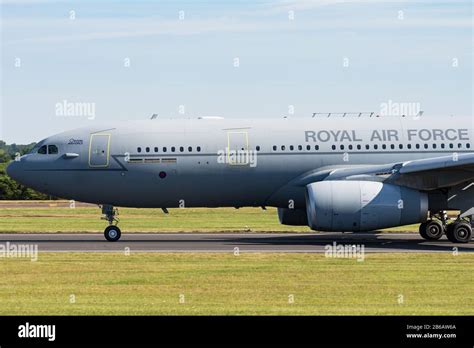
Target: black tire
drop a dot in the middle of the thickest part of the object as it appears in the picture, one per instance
(422, 227)
(459, 232)
(112, 233)
(432, 230)
(450, 228)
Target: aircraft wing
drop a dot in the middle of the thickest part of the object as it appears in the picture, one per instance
(425, 174)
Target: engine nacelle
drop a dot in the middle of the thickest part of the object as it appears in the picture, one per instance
(363, 205)
(292, 217)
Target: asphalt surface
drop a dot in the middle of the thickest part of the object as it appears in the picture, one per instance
(228, 242)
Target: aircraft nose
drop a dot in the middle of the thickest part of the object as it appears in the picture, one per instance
(14, 171)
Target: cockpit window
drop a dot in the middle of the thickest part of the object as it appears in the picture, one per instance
(43, 150)
(53, 149)
(48, 150)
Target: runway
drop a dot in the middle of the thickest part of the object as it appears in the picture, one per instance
(232, 242)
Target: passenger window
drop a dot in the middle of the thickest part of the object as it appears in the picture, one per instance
(316, 147)
(173, 149)
(292, 147)
(53, 150)
(43, 150)
(139, 149)
(156, 149)
(164, 149)
(198, 149)
(274, 148)
(190, 149)
(300, 147)
(308, 147)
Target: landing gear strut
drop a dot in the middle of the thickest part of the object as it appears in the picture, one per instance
(112, 233)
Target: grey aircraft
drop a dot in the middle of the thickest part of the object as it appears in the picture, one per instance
(329, 172)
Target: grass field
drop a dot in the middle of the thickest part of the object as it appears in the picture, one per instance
(141, 220)
(87, 219)
(147, 283)
(252, 284)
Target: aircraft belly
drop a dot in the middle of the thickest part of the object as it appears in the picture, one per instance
(138, 189)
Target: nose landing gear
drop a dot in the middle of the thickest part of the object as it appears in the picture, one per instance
(112, 233)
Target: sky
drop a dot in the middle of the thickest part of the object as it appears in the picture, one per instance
(65, 64)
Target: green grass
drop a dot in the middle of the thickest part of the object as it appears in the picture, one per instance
(81, 219)
(253, 284)
(142, 220)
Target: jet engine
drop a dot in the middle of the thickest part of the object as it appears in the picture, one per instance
(363, 205)
(292, 217)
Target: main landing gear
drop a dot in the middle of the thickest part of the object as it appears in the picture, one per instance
(459, 231)
(112, 233)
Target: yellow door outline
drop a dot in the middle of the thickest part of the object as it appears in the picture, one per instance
(107, 154)
(229, 149)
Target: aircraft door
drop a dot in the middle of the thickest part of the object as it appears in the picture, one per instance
(99, 150)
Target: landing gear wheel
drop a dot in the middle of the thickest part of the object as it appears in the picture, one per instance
(459, 232)
(112, 233)
(432, 230)
(450, 229)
